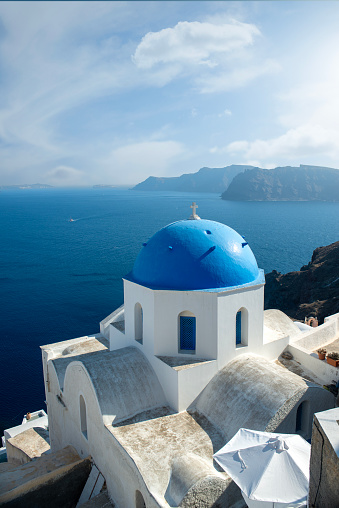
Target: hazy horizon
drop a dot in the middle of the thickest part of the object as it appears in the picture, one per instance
(113, 92)
(119, 186)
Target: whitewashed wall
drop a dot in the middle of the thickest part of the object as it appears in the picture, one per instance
(229, 303)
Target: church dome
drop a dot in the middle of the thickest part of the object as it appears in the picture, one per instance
(195, 255)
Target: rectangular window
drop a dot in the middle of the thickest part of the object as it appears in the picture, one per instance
(187, 333)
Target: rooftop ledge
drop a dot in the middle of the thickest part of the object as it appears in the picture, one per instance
(180, 363)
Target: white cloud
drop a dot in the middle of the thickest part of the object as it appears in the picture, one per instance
(71, 92)
(314, 103)
(236, 78)
(216, 57)
(259, 164)
(193, 43)
(64, 176)
(304, 141)
(53, 64)
(226, 112)
(307, 115)
(137, 161)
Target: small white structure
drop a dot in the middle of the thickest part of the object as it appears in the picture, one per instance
(174, 373)
(38, 419)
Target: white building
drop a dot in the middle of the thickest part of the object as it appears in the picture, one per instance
(177, 370)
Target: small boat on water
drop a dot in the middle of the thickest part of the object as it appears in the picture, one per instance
(71, 220)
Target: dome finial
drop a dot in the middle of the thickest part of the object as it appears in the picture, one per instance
(194, 216)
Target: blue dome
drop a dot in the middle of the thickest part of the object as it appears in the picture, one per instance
(193, 255)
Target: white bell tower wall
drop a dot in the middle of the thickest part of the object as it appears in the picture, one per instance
(139, 316)
(169, 306)
(245, 334)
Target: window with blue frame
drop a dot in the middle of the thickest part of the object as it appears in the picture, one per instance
(238, 328)
(241, 328)
(187, 326)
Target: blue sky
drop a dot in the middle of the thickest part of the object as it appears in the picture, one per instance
(112, 92)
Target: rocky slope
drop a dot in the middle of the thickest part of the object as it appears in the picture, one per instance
(313, 290)
(306, 183)
(205, 180)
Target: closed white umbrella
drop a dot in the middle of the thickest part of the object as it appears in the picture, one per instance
(268, 467)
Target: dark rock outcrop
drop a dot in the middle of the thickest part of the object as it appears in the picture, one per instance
(205, 180)
(306, 183)
(313, 290)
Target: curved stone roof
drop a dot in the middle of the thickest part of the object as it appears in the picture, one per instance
(173, 454)
(248, 393)
(124, 381)
(277, 321)
(195, 255)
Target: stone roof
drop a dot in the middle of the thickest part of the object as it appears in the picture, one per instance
(281, 324)
(174, 451)
(123, 380)
(248, 393)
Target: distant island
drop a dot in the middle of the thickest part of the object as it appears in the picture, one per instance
(100, 186)
(28, 186)
(313, 290)
(249, 183)
(204, 180)
(304, 183)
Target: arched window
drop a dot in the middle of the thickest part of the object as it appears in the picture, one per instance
(187, 332)
(302, 423)
(83, 416)
(238, 328)
(138, 323)
(241, 328)
(139, 500)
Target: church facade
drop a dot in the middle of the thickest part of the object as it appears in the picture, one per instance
(188, 359)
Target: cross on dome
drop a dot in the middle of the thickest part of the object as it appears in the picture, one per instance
(194, 216)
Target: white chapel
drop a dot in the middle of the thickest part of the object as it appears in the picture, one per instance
(188, 359)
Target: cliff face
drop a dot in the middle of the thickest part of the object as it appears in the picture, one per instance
(306, 183)
(205, 180)
(313, 290)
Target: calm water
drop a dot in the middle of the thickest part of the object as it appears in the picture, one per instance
(60, 278)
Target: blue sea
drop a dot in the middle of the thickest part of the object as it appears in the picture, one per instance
(60, 278)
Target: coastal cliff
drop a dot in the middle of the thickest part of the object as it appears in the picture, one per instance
(304, 183)
(313, 290)
(204, 180)
(247, 183)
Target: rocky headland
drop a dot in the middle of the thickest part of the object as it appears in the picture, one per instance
(311, 291)
(204, 180)
(304, 183)
(248, 183)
